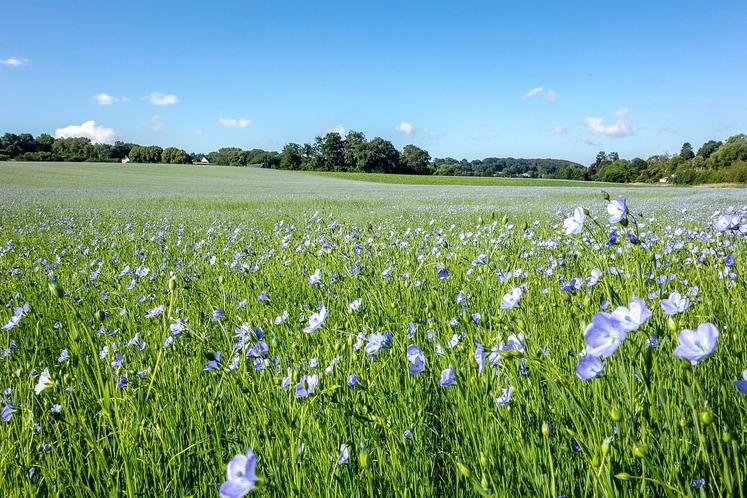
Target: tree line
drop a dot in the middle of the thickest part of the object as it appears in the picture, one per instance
(714, 161)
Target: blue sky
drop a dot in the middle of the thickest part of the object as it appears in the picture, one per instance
(459, 79)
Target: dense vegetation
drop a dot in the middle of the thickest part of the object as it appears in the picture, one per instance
(714, 162)
(364, 339)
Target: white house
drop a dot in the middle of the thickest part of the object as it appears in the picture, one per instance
(202, 161)
(125, 160)
(664, 179)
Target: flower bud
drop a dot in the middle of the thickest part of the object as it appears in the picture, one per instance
(640, 449)
(463, 470)
(706, 417)
(615, 414)
(671, 325)
(483, 460)
(623, 476)
(546, 429)
(605, 195)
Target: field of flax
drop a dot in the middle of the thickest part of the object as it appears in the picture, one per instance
(186, 331)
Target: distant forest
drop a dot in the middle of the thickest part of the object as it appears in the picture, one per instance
(713, 162)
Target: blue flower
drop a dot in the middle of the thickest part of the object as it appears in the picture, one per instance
(7, 411)
(741, 384)
(307, 385)
(154, 312)
(241, 476)
(675, 304)
(604, 335)
(479, 356)
(632, 317)
(574, 224)
(511, 299)
(697, 345)
(378, 342)
(217, 314)
(448, 377)
(417, 359)
(506, 394)
(589, 367)
(316, 320)
(353, 380)
(617, 210)
(343, 455)
(122, 382)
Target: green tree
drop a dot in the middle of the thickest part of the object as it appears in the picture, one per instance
(415, 160)
(686, 152)
(73, 149)
(173, 155)
(331, 149)
(354, 141)
(291, 157)
(378, 156)
(708, 148)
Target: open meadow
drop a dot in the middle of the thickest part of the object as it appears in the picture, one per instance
(335, 337)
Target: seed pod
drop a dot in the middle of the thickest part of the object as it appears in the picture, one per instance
(640, 449)
(615, 414)
(463, 470)
(706, 417)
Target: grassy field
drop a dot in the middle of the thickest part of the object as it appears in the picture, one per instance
(366, 339)
(459, 180)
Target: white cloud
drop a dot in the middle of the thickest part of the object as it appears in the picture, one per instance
(559, 130)
(710, 102)
(588, 141)
(104, 98)
(14, 61)
(156, 123)
(339, 129)
(89, 129)
(620, 128)
(234, 123)
(158, 98)
(549, 95)
(405, 128)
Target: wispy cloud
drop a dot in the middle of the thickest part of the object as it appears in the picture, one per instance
(484, 138)
(104, 98)
(588, 141)
(405, 128)
(559, 130)
(97, 134)
(549, 95)
(620, 128)
(156, 123)
(14, 61)
(234, 122)
(158, 98)
(710, 102)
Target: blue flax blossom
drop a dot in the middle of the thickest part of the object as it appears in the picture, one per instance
(697, 345)
(378, 342)
(574, 224)
(7, 411)
(417, 359)
(158, 310)
(316, 320)
(632, 317)
(353, 380)
(343, 455)
(448, 377)
(479, 356)
(589, 367)
(506, 394)
(307, 385)
(16, 318)
(742, 384)
(604, 335)
(617, 210)
(513, 345)
(675, 304)
(511, 299)
(241, 476)
(217, 314)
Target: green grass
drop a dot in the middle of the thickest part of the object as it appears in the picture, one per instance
(459, 180)
(214, 237)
